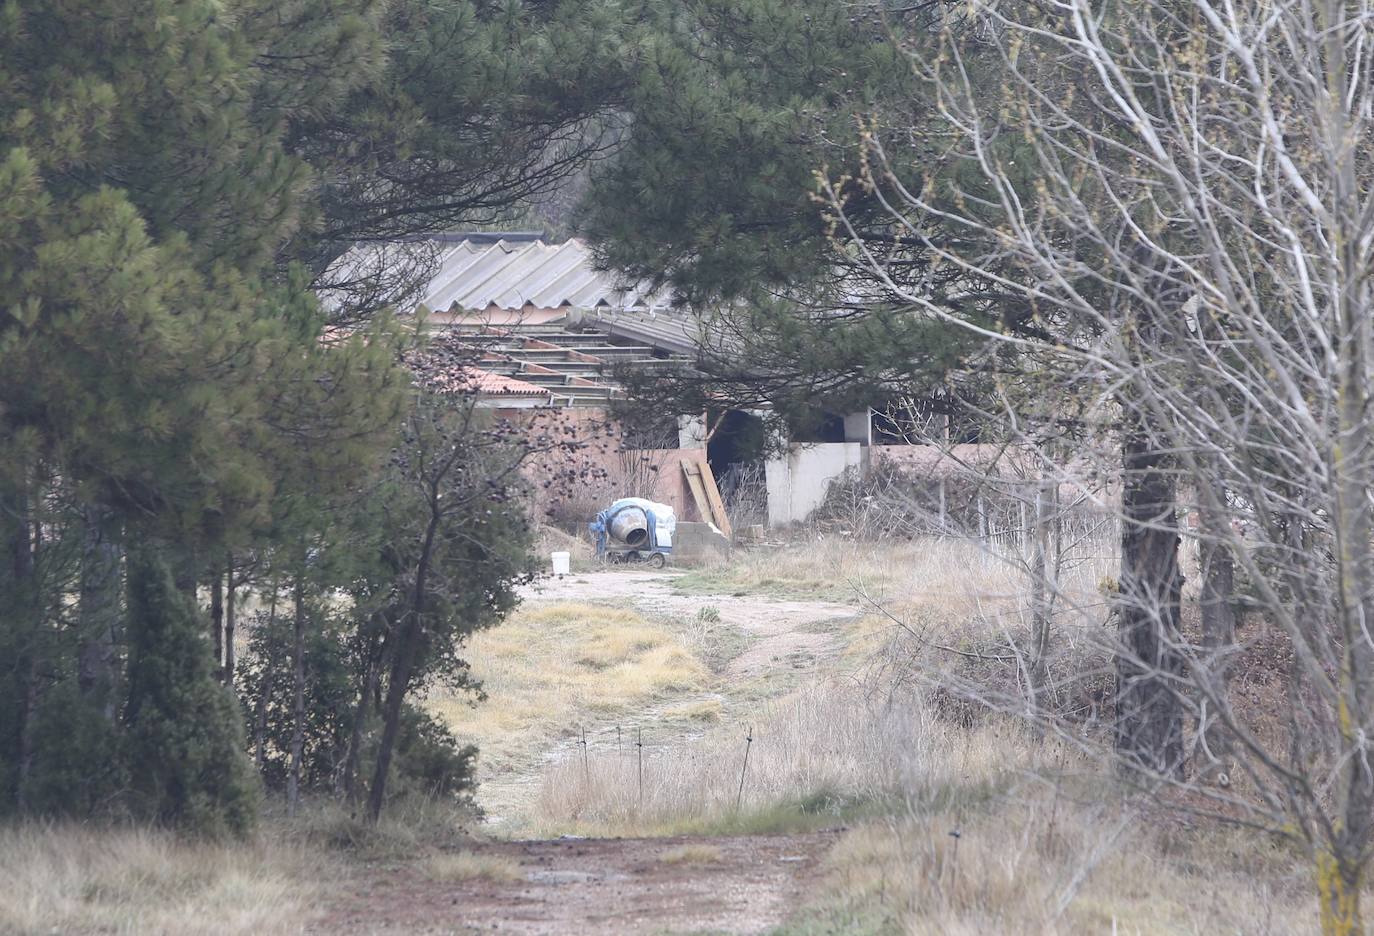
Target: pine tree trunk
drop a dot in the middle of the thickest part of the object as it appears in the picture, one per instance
(185, 570)
(293, 778)
(230, 661)
(369, 688)
(1149, 711)
(99, 610)
(260, 713)
(22, 604)
(217, 619)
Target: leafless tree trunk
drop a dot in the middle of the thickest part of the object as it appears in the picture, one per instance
(1149, 714)
(1041, 601)
(1218, 614)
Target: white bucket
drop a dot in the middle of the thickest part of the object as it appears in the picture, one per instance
(561, 563)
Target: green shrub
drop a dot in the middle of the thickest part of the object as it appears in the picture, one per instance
(185, 745)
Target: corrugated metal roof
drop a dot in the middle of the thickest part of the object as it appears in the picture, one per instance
(670, 331)
(482, 271)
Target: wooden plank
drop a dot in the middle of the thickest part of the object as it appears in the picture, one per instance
(698, 490)
(708, 481)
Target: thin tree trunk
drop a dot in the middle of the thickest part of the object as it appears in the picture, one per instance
(217, 617)
(399, 682)
(1040, 606)
(1149, 711)
(260, 713)
(412, 630)
(1218, 638)
(23, 604)
(293, 777)
(369, 688)
(230, 662)
(99, 611)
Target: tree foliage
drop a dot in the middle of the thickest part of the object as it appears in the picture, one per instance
(175, 178)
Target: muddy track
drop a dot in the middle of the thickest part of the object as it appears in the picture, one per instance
(744, 884)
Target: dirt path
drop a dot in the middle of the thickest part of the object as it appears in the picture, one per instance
(776, 631)
(730, 884)
(772, 640)
(736, 884)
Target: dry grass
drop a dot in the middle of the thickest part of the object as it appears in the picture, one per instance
(549, 539)
(70, 879)
(701, 710)
(961, 576)
(546, 669)
(451, 867)
(1034, 864)
(816, 754)
(1047, 842)
(690, 854)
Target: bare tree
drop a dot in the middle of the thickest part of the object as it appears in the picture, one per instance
(1182, 192)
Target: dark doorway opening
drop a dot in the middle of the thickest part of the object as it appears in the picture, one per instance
(736, 451)
(736, 438)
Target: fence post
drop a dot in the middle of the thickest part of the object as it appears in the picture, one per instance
(586, 765)
(748, 742)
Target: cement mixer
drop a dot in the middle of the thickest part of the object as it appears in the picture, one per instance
(635, 530)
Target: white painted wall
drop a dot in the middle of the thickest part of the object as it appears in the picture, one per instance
(858, 427)
(798, 482)
(691, 432)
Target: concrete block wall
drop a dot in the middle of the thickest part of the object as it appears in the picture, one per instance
(798, 482)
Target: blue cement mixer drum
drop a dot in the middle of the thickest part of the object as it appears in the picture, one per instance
(635, 530)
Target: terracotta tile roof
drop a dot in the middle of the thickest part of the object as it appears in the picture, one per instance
(499, 384)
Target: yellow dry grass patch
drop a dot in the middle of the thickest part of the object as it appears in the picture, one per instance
(68, 879)
(692, 853)
(547, 668)
(451, 867)
(702, 710)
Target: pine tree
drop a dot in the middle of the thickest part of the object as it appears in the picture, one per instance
(185, 748)
(175, 176)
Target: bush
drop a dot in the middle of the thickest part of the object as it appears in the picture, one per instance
(78, 767)
(430, 762)
(185, 744)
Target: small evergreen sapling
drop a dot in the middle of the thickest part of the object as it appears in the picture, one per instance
(185, 744)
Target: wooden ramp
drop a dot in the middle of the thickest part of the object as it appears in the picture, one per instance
(707, 496)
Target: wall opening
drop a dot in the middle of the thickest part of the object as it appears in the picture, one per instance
(736, 438)
(735, 451)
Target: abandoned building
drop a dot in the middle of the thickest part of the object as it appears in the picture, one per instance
(551, 330)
